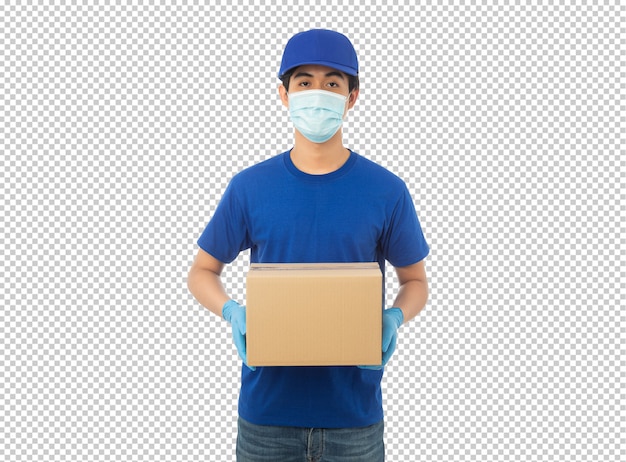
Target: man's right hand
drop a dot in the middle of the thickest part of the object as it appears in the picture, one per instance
(235, 314)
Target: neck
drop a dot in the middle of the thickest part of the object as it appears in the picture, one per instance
(319, 158)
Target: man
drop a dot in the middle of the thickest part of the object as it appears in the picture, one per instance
(318, 202)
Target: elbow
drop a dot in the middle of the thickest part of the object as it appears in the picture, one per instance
(191, 280)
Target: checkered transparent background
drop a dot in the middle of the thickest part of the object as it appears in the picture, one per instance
(120, 126)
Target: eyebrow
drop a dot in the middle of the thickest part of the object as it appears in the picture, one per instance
(329, 74)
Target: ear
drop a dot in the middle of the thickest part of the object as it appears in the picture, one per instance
(354, 94)
(282, 91)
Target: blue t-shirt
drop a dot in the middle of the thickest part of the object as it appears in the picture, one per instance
(358, 213)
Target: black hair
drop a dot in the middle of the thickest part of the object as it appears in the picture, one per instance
(353, 80)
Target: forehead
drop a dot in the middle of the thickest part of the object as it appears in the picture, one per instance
(316, 70)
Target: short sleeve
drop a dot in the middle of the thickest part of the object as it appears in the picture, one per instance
(226, 234)
(403, 242)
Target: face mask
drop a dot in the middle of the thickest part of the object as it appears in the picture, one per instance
(317, 114)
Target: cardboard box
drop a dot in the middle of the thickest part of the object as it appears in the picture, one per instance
(318, 314)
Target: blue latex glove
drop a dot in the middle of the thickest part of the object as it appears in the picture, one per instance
(392, 320)
(235, 314)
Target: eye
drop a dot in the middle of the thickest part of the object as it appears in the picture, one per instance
(304, 83)
(333, 84)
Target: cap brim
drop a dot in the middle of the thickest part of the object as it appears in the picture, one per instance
(339, 67)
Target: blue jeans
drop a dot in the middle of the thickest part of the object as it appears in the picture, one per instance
(260, 443)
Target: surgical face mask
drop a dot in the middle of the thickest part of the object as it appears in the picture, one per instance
(317, 114)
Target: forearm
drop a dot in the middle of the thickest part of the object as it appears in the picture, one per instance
(411, 298)
(206, 286)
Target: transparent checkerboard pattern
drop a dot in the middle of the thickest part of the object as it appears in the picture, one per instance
(121, 126)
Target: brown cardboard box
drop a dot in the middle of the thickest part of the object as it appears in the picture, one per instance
(319, 314)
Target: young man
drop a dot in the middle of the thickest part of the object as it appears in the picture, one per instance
(318, 202)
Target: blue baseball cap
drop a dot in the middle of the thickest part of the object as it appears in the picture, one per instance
(319, 46)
